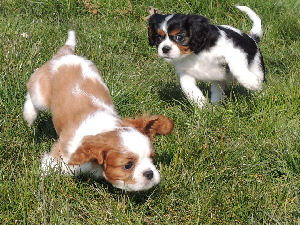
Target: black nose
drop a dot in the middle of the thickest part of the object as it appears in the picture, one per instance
(148, 174)
(166, 49)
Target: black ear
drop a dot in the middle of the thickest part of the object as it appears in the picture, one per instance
(154, 22)
(202, 33)
(152, 34)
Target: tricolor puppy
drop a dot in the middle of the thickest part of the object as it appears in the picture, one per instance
(203, 51)
(93, 139)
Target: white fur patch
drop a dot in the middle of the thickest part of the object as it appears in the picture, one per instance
(51, 163)
(71, 41)
(95, 123)
(29, 112)
(142, 183)
(164, 24)
(136, 142)
(37, 99)
(77, 91)
(173, 53)
(140, 145)
(96, 101)
(256, 28)
(190, 89)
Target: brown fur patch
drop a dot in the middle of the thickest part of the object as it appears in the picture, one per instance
(114, 166)
(64, 50)
(106, 149)
(69, 109)
(41, 77)
(161, 32)
(150, 125)
(96, 147)
(184, 50)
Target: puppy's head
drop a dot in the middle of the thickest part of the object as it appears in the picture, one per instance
(126, 153)
(178, 35)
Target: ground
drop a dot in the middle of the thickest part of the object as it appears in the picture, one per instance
(235, 163)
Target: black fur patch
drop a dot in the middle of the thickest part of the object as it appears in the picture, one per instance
(255, 37)
(202, 34)
(262, 66)
(154, 23)
(246, 43)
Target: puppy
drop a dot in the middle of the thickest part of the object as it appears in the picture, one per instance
(93, 139)
(200, 50)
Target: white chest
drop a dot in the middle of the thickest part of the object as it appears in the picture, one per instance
(205, 66)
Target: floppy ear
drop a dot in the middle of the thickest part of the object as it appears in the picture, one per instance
(151, 126)
(154, 21)
(93, 147)
(151, 34)
(203, 33)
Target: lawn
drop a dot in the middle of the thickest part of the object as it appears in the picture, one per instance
(235, 163)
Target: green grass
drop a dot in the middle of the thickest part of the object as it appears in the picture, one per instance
(236, 163)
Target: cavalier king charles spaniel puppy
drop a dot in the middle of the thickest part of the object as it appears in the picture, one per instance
(202, 51)
(93, 139)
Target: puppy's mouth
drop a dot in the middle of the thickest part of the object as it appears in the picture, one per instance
(166, 57)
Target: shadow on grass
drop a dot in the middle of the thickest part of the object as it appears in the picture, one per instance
(139, 197)
(44, 128)
(172, 93)
(234, 92)
(164, 158)
(169, 92)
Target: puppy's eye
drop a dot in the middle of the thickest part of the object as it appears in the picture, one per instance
(179, 38)
(128, 165)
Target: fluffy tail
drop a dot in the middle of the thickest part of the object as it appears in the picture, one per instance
(71, 41)
(69, 47)
(256, 31)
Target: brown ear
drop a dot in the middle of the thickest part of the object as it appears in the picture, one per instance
(151, 126)
(93, 147)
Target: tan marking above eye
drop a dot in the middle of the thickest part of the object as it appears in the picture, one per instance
(161, 32)
(184, 50)
(174, 32)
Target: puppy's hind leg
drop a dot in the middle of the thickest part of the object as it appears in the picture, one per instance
(252, 80)
(38, 95)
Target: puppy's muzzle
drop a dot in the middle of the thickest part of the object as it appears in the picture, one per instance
(166, 49)
(148, 174)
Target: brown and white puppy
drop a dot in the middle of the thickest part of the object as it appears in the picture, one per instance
(93, 139)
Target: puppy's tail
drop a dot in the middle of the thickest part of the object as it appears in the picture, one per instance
(71, 41)
(256, 31)
(69, 47)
